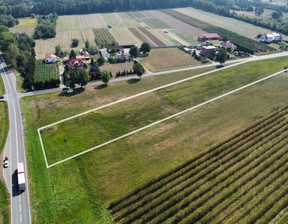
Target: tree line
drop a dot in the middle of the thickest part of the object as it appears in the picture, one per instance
(46, 27)
(18, 53)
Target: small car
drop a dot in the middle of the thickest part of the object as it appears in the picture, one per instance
(1, 97)
(65, 88)
(70, 91)
(6, 162)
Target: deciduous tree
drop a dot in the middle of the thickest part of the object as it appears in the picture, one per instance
(105, 77)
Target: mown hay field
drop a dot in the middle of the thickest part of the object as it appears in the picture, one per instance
(115, 121)
(75, 194)
(174, 58)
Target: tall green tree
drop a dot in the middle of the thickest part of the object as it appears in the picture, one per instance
(72, 55)
(101, 60)
(105, 77)
(134, 51)
(145, 47)
(221, 56)
(58, 50)
(78, 76)
(138, 69)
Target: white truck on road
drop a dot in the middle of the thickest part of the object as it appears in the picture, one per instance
(21, 177)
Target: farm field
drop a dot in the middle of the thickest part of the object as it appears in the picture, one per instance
(4, 196)
(242, 28)
(46, 75)
(24, 22)
(228, 175)
(103, 37)
(177, 24)
(174, 58)
(142, 158)
(124, 36)
(116, 120)
(114, 68)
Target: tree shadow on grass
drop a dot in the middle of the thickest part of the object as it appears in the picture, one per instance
(133, 81)
(76, 91)
(102, 86)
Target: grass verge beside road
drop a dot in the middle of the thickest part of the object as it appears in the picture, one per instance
(79, 190)
(4, 196)
(2, 88)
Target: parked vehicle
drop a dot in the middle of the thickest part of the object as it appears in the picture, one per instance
(70, 91)
(21, 177)
(65, 88)
(5, 162)
(1, 97)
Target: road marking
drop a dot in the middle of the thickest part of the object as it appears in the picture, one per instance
(165, 119)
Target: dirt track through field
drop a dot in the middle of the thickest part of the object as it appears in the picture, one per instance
(177, 24)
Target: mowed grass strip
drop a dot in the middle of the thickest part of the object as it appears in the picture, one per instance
(255, 167)
(2, 88)
(70, 137)
(4, 196)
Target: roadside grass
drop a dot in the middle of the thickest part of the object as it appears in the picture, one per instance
(2, 88)
(24, 22)
(4, 196)
(79, 190)
(173, 59)
(70, 137)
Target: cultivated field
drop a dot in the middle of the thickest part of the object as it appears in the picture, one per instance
(116, 120)
(174, 58)
(241, 180)
(177, 24)
(124, 36)
(103, 37)
(242, 28)
(114, 68)
(27, 22)
(125, 165)
(46, 75)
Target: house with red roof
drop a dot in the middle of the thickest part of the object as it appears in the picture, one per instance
(209, 36)
(75, 63)
(51, 58)
(228, 45)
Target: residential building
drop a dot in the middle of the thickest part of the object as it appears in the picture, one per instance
(75, 63)
(270, 37)
(208, 50)
(104, 53)
(228, 45)
(51, 58)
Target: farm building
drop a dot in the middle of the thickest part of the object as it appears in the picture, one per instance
(209, 36)
(208, 50)
(75, 63)
(104, 53)
(228, 45)
(51, 58)
(270, 37)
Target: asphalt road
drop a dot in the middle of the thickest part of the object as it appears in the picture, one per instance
(15, 150)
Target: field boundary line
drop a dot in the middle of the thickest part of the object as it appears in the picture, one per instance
(162, 120)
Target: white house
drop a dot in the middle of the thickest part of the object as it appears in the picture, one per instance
(228, 45)
(270, 37)
(51, 58)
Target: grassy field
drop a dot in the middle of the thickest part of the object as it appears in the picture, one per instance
(114, 68)
(174, 58)
(24, 22)
(4, 196)
(2, 88)
(128, 116)
(124, 36)
(82, 188)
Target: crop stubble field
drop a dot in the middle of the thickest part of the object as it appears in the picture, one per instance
(78, 195)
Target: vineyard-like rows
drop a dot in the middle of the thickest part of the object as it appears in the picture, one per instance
(104, 38)
(46, 75)
(241, 180)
